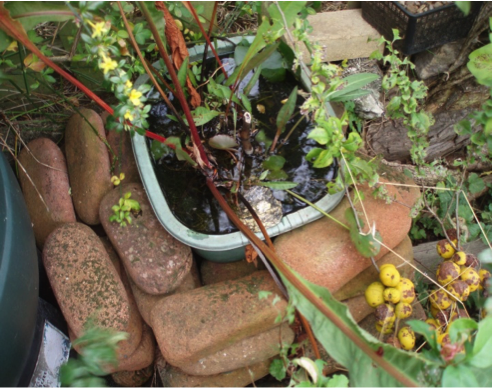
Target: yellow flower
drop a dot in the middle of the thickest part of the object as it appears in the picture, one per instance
(134, 97)
(98, 29)
(128, 84)
(128, 116)
(108, 64)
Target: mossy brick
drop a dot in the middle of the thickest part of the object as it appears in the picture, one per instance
(249, 351)
(43, 174)
(143, 356)
(133, 378)
(88, 164)
(196, 324)
(155, 260)
(87, 286)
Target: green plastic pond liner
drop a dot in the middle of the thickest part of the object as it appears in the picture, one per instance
(226, 247)
(18, 279)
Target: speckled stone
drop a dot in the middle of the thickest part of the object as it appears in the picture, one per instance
(322, 251)
(155, 261)
(146, 302)
(143, 355)
(174, 377)
(86, 285)
(360, 282)
(246, 352)
(196, 324)
(46, 167)
(88, 164)
(213, 272)
(134, 378)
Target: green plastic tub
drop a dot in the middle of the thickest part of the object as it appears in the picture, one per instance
(220, 248)
(18, 279)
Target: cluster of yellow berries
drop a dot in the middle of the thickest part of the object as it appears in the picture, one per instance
(392, 297)
(459, 277)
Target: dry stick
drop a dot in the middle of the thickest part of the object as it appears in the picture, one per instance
(179, 91)
(146, 67)
(304, 322)
(305, 291)
(195, 16)
(25, 172)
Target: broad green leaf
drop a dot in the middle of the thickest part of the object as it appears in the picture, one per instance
(277, 369)
(242, 70)
(320, 135)
(337, 381)
(362, 370)
(286, 111)
(459, 326)
(158, 150)
(480, 64)
(353, 142)
(482, 345)
(202, 115)
(475, 183)
(324, 159)
(246, 103)
(274, 163)
(426, 330)
(349, 95)
(313, 154)
(273, 69)
(222, 142)
(356, 81)
(458, 376)
(366, 244)
(182, 73)
(464, 6)
(278, 185)
(32, 13)
(278, 175)
(290, 10)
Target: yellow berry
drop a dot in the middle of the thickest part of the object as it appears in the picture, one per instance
(445, 249)
(459, 258)
(443, 338)
(484, 277)
(471, 277)
(406, 287)
(389, 275)
(447, 272)
(459, 289)
(407, 338)
(392, 295)
(403, 310)
(385, 314)
(384, 329)
(440, 299)
(435, 325)
(374, 294)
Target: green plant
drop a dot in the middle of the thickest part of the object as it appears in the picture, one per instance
(97, 351)
(405, 103)
(123, 210)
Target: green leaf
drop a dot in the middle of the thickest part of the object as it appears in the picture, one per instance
(246, 103)
(458, 376)
(480, 64)
(425, 330)
(324, 159)
(313, 154)
(464, 6)
(274, 163)
(353, 142)
(337, 381)
(277, 369)
(459, 327)
(286, 111)
(349, 96)
(482, 345)
(355, 82)
(273, 69)
(475, 183)
(366, 244)
(278, 175)
(362, 369)
(320, 135)
(32, 13)
(202, 115)
(278, 185)
(157, 17)
(222, 142)
(182, 74)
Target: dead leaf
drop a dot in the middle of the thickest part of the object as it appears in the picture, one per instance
(123, 47)
(32, 62)
(179, 49)
(251, 254)
(261, 108)
(12, 46)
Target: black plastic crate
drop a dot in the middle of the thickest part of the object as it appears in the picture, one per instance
(421, 31)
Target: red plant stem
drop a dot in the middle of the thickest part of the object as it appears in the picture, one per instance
(176, 83)
(11, 30)
(192, 9)
(305, 291)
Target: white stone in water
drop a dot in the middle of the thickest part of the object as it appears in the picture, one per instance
(265, 205)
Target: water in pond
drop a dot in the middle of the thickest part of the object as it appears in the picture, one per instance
(185, 189)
